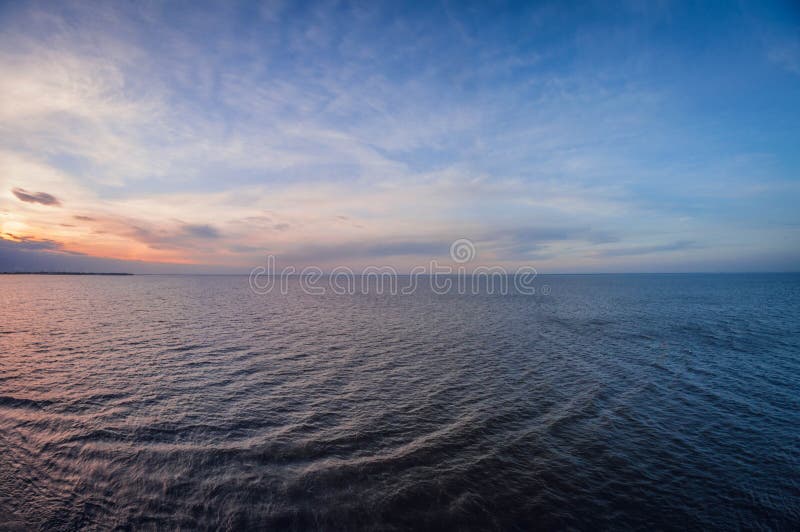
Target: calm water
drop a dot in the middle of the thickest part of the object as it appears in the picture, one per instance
(617, 401)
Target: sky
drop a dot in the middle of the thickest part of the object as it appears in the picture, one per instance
(572, 137)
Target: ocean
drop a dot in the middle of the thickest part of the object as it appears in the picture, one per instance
(602, 401)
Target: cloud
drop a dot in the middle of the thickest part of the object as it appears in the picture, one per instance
(646, 250)
(200, 231)
(36, 197)
(532, 242)
(374, 250)
(30, 244)
(383, 146)
(19, 254)
(181, 237)
(555, 233)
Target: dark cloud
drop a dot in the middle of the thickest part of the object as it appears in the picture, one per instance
(369, 250)
(29, 244)
(172, 239)
(523, 243)
(36, 197)
(28, 255)
(555, 234)
(84, 218)
(281, 227)
(201, 231)
(645, 250)
(530, 242)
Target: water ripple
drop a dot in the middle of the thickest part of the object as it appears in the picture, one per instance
(188, 402)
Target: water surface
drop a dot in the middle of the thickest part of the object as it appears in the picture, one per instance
(666, 401)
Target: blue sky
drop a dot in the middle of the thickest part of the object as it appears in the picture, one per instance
(574, 137)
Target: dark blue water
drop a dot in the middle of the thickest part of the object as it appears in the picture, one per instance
(630, 401)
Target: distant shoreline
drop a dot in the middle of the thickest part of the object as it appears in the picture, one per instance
(62, 273)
